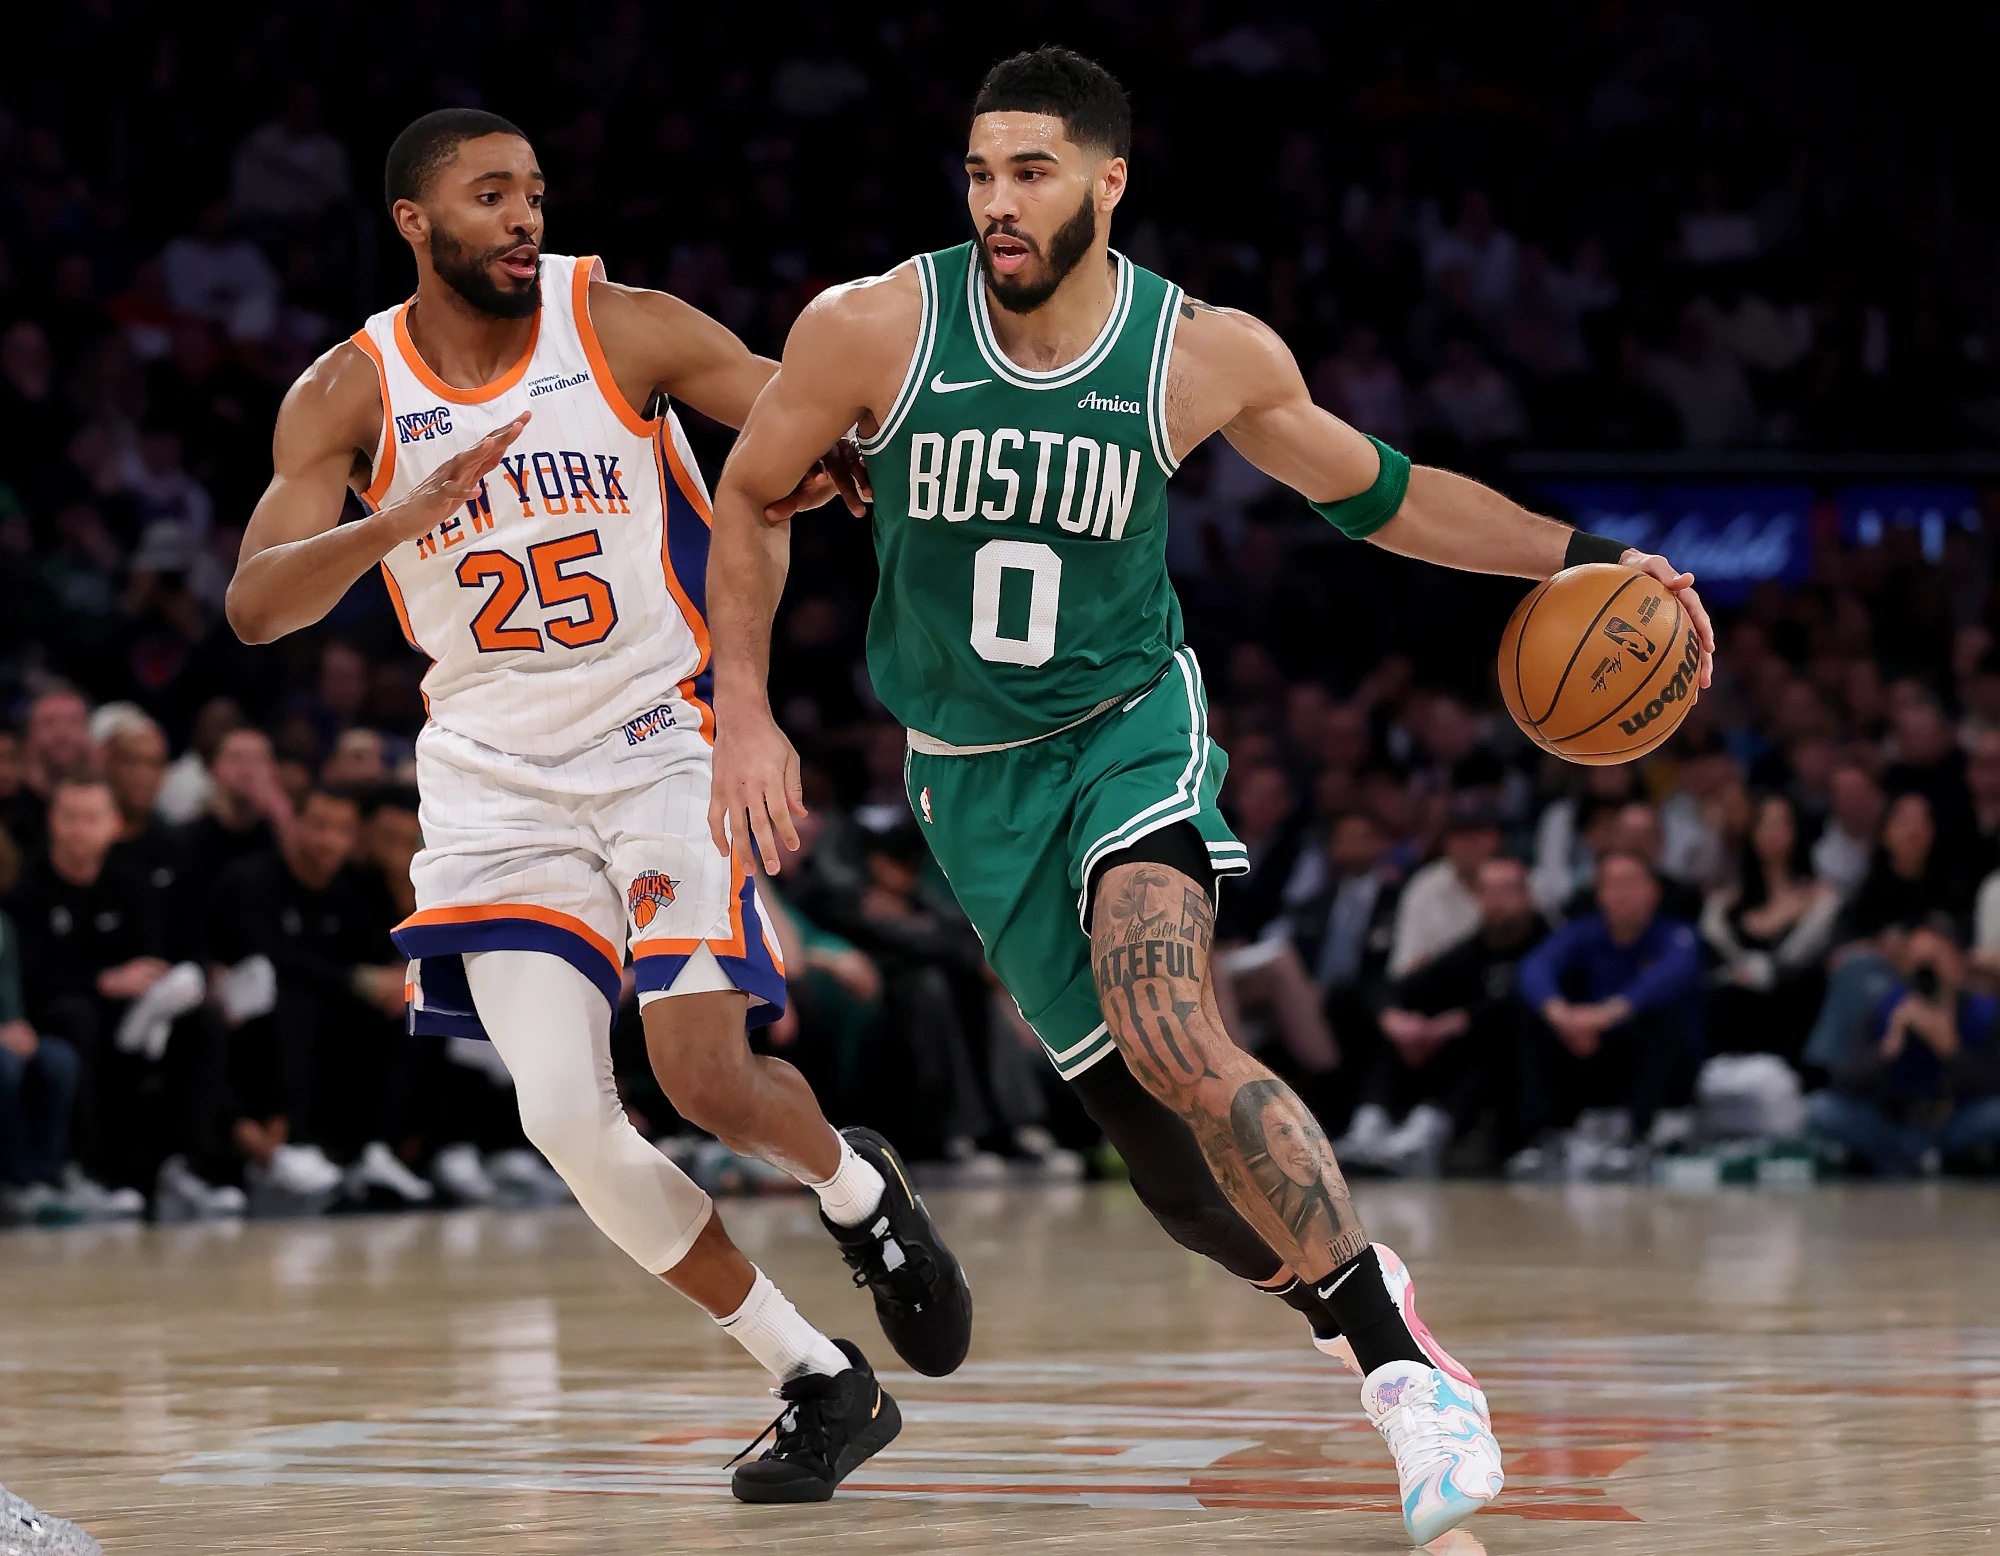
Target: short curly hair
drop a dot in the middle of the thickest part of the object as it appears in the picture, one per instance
(420, 153)
(1060, 82)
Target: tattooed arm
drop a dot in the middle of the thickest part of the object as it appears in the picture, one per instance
(1149, 941)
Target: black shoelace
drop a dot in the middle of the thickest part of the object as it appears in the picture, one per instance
(909, 1283)
(800, 1426)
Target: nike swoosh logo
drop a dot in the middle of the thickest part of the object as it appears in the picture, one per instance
(878, 1403)
(939, 386)
(1330, 1290)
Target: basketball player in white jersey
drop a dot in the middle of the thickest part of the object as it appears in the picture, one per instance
(543, 534)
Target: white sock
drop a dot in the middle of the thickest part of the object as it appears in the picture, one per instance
(771, 1329)
(850, 1196)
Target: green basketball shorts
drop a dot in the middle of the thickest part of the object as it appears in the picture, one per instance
(1018, 831)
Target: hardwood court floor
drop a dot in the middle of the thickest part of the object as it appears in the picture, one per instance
(1770, 1373)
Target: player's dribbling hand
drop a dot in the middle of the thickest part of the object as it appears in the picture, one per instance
(454, 483)
(1681, 586)
(756, 791)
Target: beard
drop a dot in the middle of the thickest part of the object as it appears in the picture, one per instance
(1066, 250)
(466, 273)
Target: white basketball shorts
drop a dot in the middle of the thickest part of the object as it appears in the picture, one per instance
(585, 856)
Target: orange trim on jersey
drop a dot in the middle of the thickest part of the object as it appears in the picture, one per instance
(402, 610)
(430, 917)
(414, 361)
(378, 485)
(689, 489)
(662, 456)
(707, 713)
(593, 350)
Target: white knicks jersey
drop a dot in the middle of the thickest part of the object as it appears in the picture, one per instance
(566, 602)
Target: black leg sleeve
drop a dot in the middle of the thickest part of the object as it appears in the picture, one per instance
(1169, 1173)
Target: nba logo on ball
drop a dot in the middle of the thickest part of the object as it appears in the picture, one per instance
(924, 803)
(650, 893)
(1600, 664)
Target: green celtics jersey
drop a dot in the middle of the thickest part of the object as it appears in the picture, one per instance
(1021, 518)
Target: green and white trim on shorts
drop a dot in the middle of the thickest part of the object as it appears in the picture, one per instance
(1017, 830)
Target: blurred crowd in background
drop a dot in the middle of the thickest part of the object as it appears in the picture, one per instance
(1638, 231)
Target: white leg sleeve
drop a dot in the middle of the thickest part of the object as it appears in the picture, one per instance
(553, 1029)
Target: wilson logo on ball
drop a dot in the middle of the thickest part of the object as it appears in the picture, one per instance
(1671, 693)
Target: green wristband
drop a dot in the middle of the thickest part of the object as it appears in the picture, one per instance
(1359, 516)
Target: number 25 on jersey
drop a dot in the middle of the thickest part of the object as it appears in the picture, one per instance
(557, 588)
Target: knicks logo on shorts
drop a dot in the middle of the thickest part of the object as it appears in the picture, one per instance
(647, 725)
(650, 893)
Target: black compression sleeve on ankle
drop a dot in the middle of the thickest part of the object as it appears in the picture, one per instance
(1358, 1295)
(1299, 1294)
(1585, 547)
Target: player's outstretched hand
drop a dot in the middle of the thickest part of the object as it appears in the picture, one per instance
(841, 471)
(756, 792)
(454, 483)
(1682, 586)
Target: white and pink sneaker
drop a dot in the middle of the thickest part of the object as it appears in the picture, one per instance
(1403, 1293)
(1447, 1462)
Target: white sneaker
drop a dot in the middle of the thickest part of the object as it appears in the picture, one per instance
(92, 1201)
(1368, 1132)
(971, 1165)
(1447, 1463)
(457, 1170)
(28, 1204)
(1403, 1292)
(302, 1170)
(1053, 1163)
(180, 1194)
(378, 1167)
(1416, 1149)
(522, 1174)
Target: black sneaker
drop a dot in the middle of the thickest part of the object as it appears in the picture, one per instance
(921, 1298)
(829, 1428)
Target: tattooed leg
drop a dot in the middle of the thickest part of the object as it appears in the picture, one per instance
(1149, 946)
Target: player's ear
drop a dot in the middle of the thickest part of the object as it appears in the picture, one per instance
(1110, 183)
(411, 222)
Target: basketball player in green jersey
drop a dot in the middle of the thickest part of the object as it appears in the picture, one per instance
(1021, 402)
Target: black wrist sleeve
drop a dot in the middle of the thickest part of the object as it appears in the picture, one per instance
(1586, 547)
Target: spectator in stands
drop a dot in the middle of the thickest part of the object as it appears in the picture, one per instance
(55, 745)
(1704, 385)
(1439, 905)
(132, 755)
(185, 788)
(357, 762)
(222, 278)
(289, 168)
(1570, 831)
(1635, 827)
(1846, 845)
(1472, 401)
(1340, 914)
(1770, 932)
(1910, 878)
(1928, 761)
(1449, 1035)
(38, 1077)
(1926, 1087)
(869, 889)
(90, 945)
(324, 1064)
(247, 810)
(1618, 996)
(1982, 782)
(1364, 387)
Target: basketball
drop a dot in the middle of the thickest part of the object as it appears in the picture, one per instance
(1599, 664)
